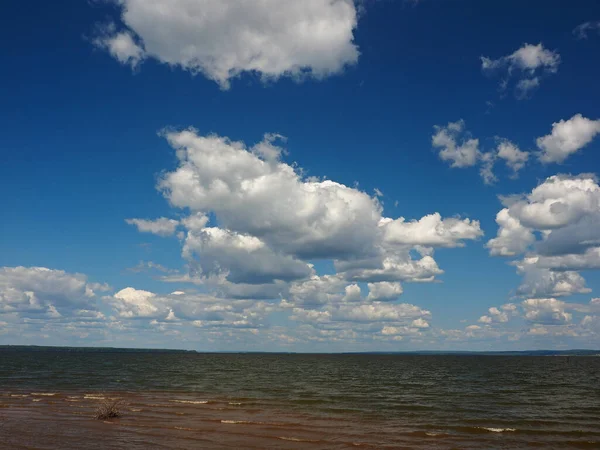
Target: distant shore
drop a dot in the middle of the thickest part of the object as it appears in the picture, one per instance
(43, 348)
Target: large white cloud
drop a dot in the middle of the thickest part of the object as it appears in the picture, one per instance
(271, 218)
(567, 137)
(527, 65)
(560, 201)
(563, 211)
(223, 38)
(268, 199)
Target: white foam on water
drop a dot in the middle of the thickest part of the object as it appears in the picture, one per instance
(95, 397)
(45, 394)
(234, 403)
(19, 395)
(193, 402)
(497, 430)
(286, 438)
(246, 422)
(36, 399)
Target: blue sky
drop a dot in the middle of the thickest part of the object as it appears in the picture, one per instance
(317, 176)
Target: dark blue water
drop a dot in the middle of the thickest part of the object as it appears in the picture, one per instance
(310, 401)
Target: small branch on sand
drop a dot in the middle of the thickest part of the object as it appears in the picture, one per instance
(109, 409)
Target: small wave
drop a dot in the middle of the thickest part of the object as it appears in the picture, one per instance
(19, 395)
(184, 428)
(252, 422)
(45, 394)
(235, 403)
(497, 430)
(193, 402)
(135, 409)
(36, 399)
(94, 397)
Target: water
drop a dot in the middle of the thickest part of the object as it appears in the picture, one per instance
(300, 401)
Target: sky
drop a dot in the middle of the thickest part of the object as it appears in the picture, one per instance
(315, 176)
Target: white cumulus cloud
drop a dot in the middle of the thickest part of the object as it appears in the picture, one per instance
(240, 258)
(555, 228)
(121, 45)
(431, 231)
(456, 144)
(160, 227)
(527, 64)
(384, 291)
(39, 292)
(223, 38)
(272, 220)
(514, 158)
(567, 137)
(548, 311)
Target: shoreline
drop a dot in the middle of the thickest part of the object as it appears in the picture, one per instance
(160, 419)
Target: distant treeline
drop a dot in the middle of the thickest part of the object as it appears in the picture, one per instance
(574, 352)
(40, 348)
(43, 348)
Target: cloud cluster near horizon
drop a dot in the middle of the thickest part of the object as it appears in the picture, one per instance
(250, 262)
(270, 225)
